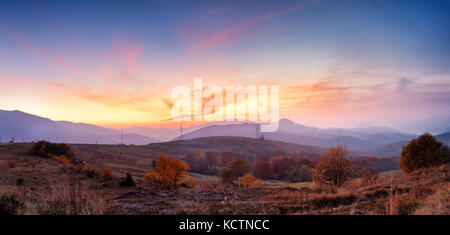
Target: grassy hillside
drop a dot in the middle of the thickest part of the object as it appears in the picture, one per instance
(232, 144)
(45, 186)
(40, 184)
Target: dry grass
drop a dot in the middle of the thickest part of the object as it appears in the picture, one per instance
(49, 187)
(12, 163)
(290, 194)
(11, 204)
(326, 200)
(106, 174)
(64, 200)
(436, 204)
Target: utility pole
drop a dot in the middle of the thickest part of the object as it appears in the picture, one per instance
(121, 137)
(258, 130)
(181, 130)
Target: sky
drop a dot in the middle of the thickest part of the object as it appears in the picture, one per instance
(115, 63)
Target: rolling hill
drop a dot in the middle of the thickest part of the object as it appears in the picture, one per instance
(231, 144)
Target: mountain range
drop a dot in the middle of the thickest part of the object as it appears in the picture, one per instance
(372, 140)
(26, 127)
(357, 139)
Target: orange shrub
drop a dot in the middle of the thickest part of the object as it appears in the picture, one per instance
(62, 159)
(90, 170)
(248, 180)
(168, 172)
(107, 174)
(154, 179)
(189, 182)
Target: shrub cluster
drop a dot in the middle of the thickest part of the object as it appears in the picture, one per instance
(47, 150)
(284, 168)
(300, 174)
(249, 180)
(233, 170)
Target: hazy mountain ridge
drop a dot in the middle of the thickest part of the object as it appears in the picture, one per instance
(27, 127)
(395, 148)
(357, 139)
(375, 140)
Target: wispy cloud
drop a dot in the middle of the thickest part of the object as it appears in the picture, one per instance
(221, 36)
(25, 43)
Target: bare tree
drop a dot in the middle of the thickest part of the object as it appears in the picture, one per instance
(334, 169)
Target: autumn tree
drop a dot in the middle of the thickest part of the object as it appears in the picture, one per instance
(263, 170)
(233, 170)
(168, 172)
(300, 174)
(425, 151)
(227, 157)
(334, 169)
(281, 166)
(197, 161)
(211, 160)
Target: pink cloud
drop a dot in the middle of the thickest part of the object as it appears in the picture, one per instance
(21, 40)
(128, 52)
(221, 36)
(121, 62)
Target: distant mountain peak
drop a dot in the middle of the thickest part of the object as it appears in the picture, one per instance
(364, 125)
(286, 121)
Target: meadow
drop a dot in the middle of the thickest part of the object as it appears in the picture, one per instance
(34, 185)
